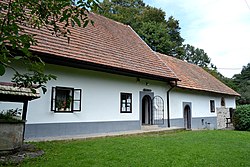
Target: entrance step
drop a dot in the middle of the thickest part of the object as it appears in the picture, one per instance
(150, 127)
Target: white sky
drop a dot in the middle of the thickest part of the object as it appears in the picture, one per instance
(220, 27)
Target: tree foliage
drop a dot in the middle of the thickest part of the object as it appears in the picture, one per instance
(173, 28)
(124, 11)
(195, 55)
(242, 81)
(15, 15)
(149, 22)
(239, 82)
(241, 118)
(155, 35)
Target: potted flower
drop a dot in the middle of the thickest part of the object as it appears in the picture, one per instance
(59, 105)
(68, 103)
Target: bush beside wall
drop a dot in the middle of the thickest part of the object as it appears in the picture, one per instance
(241, 118)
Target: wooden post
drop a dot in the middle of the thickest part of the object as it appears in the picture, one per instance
(25, 108)
(24, 115)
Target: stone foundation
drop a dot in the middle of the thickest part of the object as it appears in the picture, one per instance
(222, 114)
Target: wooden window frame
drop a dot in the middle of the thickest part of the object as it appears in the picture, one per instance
(73, 99)
(125, 104)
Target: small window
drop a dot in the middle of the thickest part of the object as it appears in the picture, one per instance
(222, 102)
(212, 106)
(126, 102)
(65, 99)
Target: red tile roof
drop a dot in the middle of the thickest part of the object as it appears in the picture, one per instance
(195, 77)
(106, 43)
(116, 45)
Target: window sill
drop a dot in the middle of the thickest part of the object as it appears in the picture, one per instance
(125, 112)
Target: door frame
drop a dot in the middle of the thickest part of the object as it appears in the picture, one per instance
(187, 117)
(142, 94)
(147, 113)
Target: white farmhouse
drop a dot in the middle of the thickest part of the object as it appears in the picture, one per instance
(109, 80)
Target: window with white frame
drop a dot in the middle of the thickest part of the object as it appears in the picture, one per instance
(65, 99)
(126, 103)
(212, 106)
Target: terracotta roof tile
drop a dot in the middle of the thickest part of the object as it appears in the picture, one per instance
(194, 77)
(107, 43)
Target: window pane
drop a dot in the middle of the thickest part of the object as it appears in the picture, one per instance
(63, 99)
(77, 94)
(77, 106)
(212, 106)
(77, 99)
(126, 103)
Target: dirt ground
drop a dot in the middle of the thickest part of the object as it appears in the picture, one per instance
(17, 156)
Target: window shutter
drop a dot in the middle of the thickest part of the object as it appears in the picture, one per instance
(77, 99)
(53, 99)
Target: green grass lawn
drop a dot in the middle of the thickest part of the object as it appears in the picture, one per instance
(185, 148)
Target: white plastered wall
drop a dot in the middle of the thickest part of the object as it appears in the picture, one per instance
(100, 96)
(200, 102)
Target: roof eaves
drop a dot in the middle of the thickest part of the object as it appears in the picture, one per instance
(65, 61)
(208, 90)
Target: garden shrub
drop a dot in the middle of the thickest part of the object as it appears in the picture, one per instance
(241, 118)
(11, 115)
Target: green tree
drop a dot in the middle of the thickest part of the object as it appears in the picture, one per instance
(160, 34)
(152, 14)
(173, 29)
(124, 11)
(195, 55)
(242, 81)
(212, 69)
(15, 15)
(155, 35)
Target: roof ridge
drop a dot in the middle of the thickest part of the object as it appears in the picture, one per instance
(154, 53)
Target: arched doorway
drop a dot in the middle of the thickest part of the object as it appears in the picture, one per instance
(222, 102)
(146, 110)
(187, 117)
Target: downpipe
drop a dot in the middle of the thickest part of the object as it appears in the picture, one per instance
(168, 109)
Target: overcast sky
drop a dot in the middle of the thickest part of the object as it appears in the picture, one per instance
(220, 27)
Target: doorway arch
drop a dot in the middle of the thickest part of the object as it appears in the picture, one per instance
(187, 117)
(146, 110)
